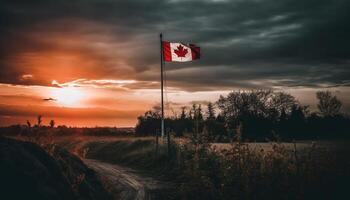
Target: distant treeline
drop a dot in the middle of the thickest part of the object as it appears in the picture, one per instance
(38, 130)
(256, 115)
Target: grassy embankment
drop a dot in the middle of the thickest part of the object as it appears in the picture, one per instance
(45, 172)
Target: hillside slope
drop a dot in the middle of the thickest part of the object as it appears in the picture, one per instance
(28, 172)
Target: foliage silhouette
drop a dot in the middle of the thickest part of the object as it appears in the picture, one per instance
(260, 115)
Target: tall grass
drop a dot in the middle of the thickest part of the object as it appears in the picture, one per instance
(201, 171)
(240, 173)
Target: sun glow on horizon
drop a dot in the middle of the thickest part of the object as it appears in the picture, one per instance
(68, 96)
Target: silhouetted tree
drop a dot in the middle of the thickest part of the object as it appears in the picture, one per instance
(328, 105)
(220, 131)
(210, 111)
(149, 123)
(297, 120)
(52, 123)
(183, 113)
(248, 109)
(29, 124)
(196, 119)
(199, 112)
(282, 102)
(39, 120)
(210, 122)
(254, 115)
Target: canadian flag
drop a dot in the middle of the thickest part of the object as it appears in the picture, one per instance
(178, 52)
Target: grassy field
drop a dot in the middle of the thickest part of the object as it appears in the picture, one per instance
(300, 146)
(201, 170)
(304, 170)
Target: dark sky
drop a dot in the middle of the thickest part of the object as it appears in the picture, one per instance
(258, 43)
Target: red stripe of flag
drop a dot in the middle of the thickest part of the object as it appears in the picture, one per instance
(167, 51)
(195, 51)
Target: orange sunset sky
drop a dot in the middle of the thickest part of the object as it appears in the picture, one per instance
(96, 63)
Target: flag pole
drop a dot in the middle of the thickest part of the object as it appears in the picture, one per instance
(161, 85)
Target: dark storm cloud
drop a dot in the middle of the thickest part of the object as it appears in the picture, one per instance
(257, 43)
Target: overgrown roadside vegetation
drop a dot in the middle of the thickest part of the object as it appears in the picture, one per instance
(84, 181)
(200, 171)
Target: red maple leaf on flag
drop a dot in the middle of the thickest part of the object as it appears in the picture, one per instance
(180, 51)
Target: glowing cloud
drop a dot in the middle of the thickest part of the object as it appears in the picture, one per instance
(68, 96)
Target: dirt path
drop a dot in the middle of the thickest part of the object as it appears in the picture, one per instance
(126, 181)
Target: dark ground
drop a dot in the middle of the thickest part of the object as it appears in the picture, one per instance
(27, 171)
